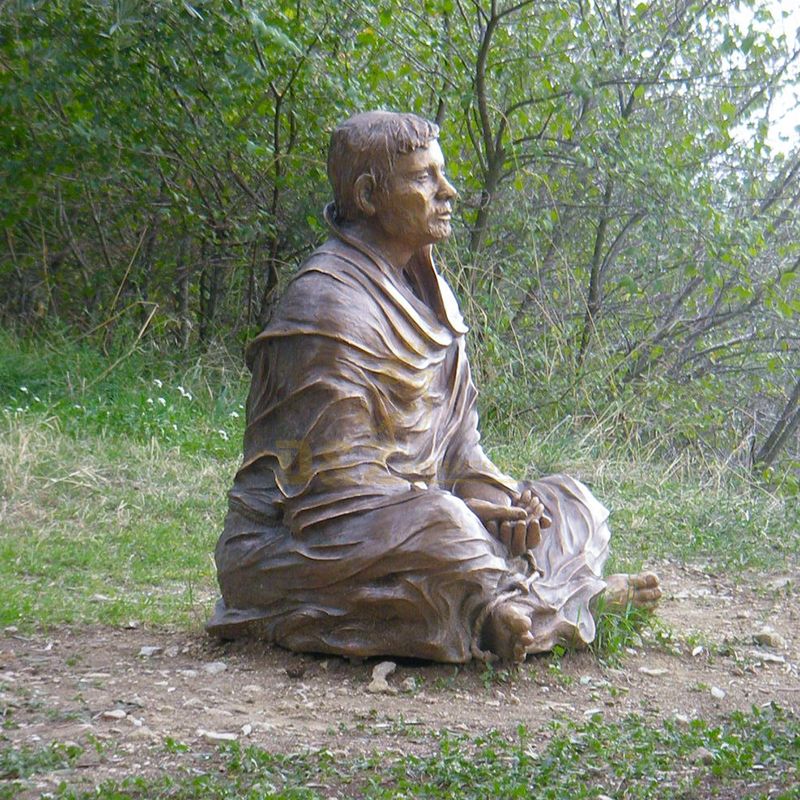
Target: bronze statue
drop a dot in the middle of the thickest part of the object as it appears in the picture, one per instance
(366, 519)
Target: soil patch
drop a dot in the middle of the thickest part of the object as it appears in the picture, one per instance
(131, 697)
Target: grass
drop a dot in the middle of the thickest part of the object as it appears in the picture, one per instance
(112, 494)
(113, 488)
(747, 755)
(678, 509)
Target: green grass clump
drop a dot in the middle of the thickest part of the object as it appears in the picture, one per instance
(112, 482)
(682, 510)
(114, 469)
(747, 756)
(20, 763)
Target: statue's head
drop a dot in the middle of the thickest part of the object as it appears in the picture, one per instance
(369, 144)
(376, 164)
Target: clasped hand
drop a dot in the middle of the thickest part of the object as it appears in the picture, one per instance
(518, 524)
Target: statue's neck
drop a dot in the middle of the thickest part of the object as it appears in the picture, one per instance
(396, 252)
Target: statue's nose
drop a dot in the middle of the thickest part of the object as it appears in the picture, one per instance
(446, 190)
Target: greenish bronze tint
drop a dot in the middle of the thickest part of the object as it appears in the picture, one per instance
(366, 519)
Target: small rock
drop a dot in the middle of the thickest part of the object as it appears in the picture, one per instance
(132, 624)
(188, 673)
(654, 672)
(10, 630)
(702, 756)
(247, 729)
(717, 693)
(214, 667)
(150, 650)
(771, 658)
(172, 652)
(194, 702)
(585, 680)
(697, 650)
(379, 675)
(682, 719)
(296, 670)
(114, 713)
(408, 685)
(590, 712)
(99, 598)
(604, 797)
(217, 736)
(779, 583)
(769, 637)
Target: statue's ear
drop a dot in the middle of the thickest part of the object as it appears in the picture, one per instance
(362, 194)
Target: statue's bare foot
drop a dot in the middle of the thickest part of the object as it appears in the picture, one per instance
(507, 632)
(642, 590)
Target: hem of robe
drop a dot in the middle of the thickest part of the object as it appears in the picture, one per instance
(569, 560)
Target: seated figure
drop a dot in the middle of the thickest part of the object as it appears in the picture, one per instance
(365, 519)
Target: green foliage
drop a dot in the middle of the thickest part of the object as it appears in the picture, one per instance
(113, 500)
(628, 234)
(113, 482)
(748, 755)
(26, 761)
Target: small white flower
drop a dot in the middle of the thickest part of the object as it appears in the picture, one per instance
(174, 427)
(24, 389)
(162, 401)
(79, 407)
(149, 401)
(38, 400)
(158, 383)
(184, 393)
(223, 435)
(20, 410)
(235, 414)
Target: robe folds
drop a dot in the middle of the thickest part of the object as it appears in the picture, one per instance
(343, 533)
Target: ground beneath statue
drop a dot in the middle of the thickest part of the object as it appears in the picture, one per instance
(726, 643)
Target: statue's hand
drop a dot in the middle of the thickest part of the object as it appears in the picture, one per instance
(537, 520)
(507, 523)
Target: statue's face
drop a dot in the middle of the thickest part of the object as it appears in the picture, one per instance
(416, 203)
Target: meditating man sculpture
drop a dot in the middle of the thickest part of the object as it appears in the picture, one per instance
(366, 519)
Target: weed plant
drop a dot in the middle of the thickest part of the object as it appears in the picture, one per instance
(114, 469)
(748, 756)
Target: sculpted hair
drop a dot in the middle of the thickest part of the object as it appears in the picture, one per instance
(368, 144)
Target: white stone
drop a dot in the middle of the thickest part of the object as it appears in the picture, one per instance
(769, 637)
(380, 673)
(217, 736)
(215, 667)
(654, 672)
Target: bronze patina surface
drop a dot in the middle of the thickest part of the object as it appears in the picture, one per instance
(365, 518)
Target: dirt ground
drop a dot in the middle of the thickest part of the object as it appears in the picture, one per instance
(121, 693)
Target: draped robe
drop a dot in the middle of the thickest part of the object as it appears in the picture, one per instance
(343, 533)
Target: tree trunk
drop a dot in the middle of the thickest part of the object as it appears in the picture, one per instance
(786, 425)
